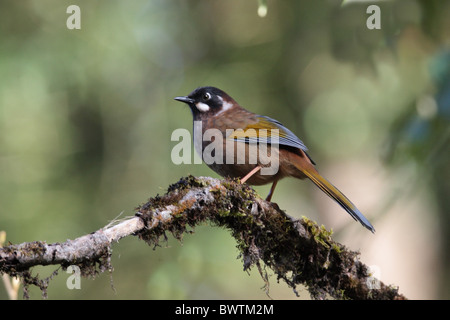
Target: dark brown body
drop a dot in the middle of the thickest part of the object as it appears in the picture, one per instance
(239, 119)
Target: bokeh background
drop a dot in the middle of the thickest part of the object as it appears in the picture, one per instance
(86, 118)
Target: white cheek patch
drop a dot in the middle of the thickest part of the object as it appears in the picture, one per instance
(225, 105)
(203, 107)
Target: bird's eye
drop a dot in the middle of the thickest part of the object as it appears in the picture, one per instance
(206, 96)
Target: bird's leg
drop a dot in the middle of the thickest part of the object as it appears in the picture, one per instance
(272, 189)
(255, 170)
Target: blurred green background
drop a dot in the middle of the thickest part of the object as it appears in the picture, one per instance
(86, 118)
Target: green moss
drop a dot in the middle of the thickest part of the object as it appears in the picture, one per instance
(298, 251)
(336, 247)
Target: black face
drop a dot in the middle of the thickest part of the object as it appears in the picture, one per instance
(205, 100)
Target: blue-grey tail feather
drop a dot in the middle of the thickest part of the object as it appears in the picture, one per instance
(339, 197)
(357, 215)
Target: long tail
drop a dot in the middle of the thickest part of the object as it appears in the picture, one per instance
(333, 193)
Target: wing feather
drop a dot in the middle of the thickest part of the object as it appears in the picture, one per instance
(263, 132)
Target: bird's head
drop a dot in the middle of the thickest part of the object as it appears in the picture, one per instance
(207, 102)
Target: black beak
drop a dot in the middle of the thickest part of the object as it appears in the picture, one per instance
(185, 100)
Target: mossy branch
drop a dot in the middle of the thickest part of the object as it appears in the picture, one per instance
(298, 251)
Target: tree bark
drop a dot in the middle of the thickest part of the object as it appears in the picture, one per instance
(298, 251)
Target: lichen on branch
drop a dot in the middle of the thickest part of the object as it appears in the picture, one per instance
(298, 251)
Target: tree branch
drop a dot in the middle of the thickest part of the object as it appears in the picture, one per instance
(298, 251)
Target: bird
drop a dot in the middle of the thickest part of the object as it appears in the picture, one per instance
(212, 108)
